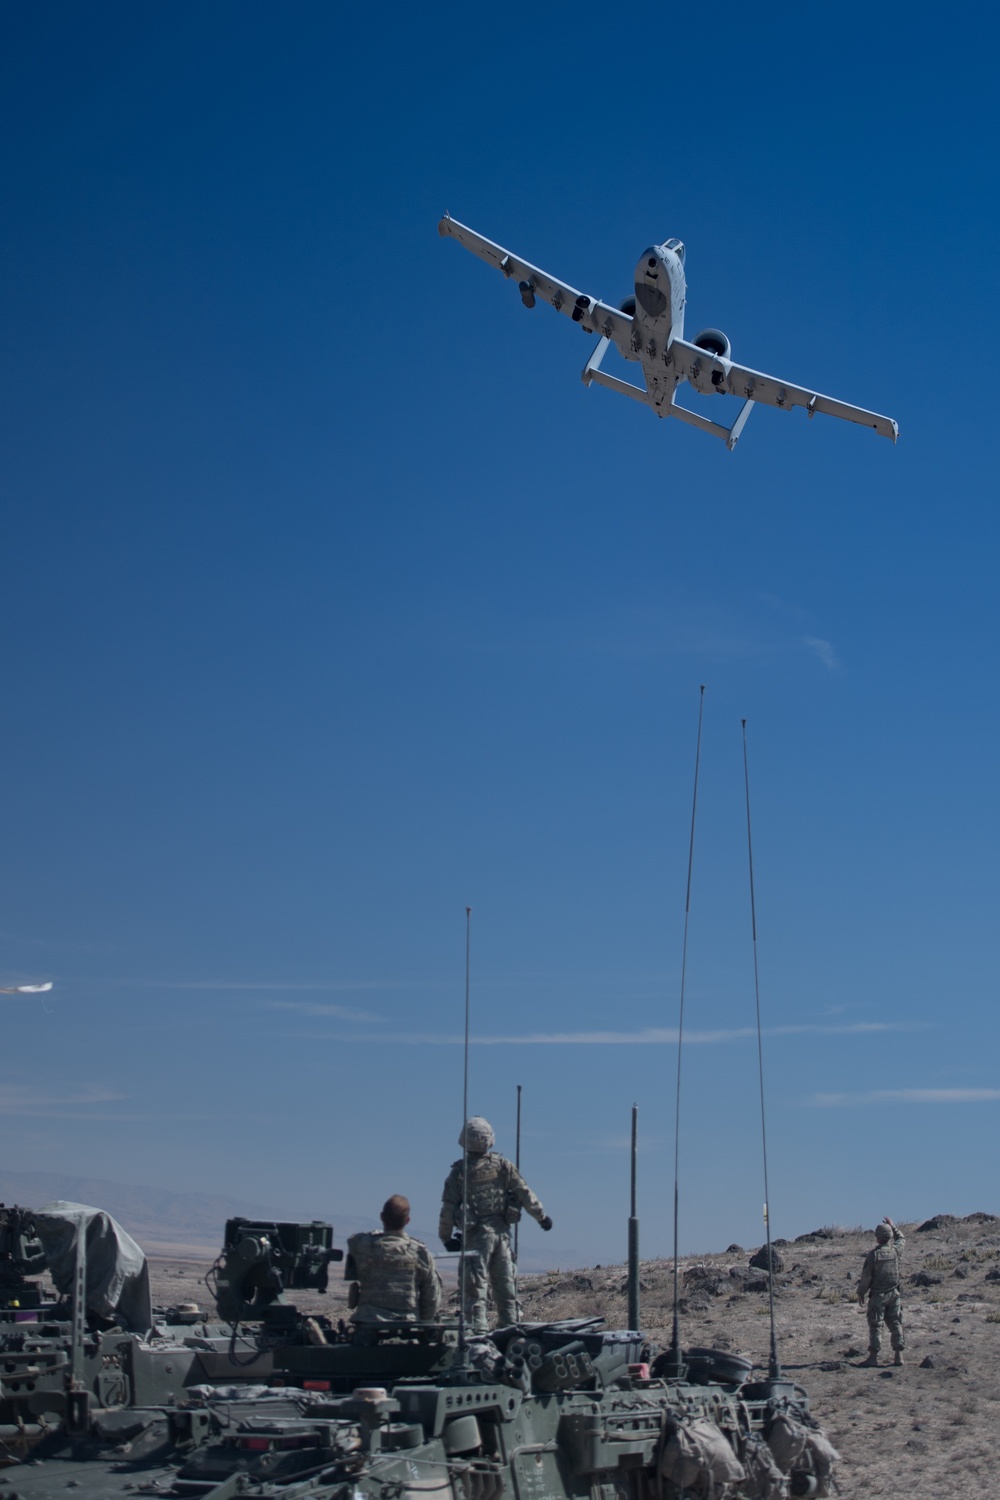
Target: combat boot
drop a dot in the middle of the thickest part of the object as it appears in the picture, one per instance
(871, 1362)
(898, 1358)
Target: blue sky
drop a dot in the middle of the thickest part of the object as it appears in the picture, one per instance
(334, 603)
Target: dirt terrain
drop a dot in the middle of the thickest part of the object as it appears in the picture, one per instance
(929, 1431)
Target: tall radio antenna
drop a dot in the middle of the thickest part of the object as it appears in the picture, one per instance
(674, 1362)
(774, 1368)
(465, 1143)
(517, 1160)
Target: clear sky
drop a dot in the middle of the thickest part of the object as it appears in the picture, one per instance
(333, 603)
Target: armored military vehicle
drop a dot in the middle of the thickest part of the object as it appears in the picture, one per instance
(274, 1403)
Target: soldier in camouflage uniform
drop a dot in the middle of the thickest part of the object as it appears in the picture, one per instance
(880, 1281)
(497, 1193)
(395, 1278)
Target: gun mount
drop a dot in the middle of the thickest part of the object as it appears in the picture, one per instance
(21, 1258)
(260, 1259)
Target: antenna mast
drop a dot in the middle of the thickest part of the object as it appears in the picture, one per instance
(774, 1368)
(465, 1146)
(633, 1240)
(674, 1362)
(517, 1162)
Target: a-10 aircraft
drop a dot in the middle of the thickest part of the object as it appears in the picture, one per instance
(649, 327)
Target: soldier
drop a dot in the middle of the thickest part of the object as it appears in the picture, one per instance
(880, 1281)
(395, 1278)
(497, 1193)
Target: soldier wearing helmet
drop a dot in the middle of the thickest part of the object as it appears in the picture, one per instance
(497, 1194)
(880, 1281)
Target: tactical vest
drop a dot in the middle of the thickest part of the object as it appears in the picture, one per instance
(487, 1186)
(387, 1266)
(885, 1269)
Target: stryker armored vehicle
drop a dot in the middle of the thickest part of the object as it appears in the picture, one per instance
(274, 1403)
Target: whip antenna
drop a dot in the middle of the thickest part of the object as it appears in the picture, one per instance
(465, 1140)
(517, 1162)
(774, 1369)
(674, 1363)
(633, 1236)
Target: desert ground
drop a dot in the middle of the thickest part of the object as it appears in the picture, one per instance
(928, 1431)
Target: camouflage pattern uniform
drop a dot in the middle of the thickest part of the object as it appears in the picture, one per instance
(880, 1280)
(397, 1278)
(496, 1188)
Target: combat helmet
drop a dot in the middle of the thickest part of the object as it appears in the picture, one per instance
(477, 1136)
(882, 1233)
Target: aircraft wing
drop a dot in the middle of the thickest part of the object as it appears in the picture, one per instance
(710, 373)
(592, 315)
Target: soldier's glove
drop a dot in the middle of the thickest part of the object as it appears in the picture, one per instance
(546, 1223)
(455, 1243)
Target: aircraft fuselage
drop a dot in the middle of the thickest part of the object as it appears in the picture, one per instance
(660, 295)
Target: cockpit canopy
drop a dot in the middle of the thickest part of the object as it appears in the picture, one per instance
(677, 247)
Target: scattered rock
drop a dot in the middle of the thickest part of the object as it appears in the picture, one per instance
(814, 1234)
(760, 1261)
(886, 1374)
(832, 1365)
(961, 1270)
(779, 1242)
(980, 1218)
(734, 1250)
(993, 1275)
(939, 1221)
(928, 1362)
(926, 1278)
(852, 1352)
(708, 1279)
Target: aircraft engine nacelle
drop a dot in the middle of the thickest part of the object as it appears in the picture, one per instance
(713, 342)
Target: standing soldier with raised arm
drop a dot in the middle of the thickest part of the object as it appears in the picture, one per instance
(497, 1193)
(880, 1281)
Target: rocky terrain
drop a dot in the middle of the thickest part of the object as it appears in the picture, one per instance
(928, 1431)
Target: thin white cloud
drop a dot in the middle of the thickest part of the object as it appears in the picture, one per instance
(316, 1008)
(906, 1096)
(288, 986)
(651, 1036)
(26, 1099)
(823, 650)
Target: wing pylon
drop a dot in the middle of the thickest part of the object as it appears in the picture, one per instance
(593, 315)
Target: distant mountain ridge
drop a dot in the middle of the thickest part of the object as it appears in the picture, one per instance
(162, 1222)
